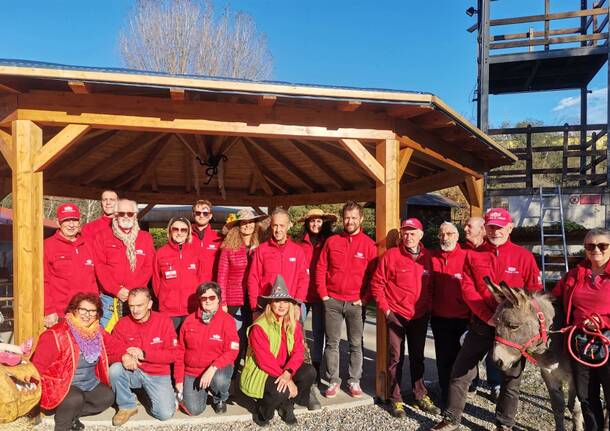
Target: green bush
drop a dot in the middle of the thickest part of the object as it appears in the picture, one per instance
(159, 236)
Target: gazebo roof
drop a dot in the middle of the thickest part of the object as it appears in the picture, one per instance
(147, 134)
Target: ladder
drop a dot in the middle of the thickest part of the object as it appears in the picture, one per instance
(557, 250)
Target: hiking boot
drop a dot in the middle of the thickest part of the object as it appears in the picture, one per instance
(332, 390)
(355, 391)
(220, 407)
(313, 403)
(426, 405)
(77, 425)
(445, 425)
(286, 412)
(122, 416)
(398, 410)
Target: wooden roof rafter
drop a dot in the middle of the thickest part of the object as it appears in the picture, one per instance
(267, 176)
(329, 172)
(148, 166)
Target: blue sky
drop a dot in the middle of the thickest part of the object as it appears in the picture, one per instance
(383, 44)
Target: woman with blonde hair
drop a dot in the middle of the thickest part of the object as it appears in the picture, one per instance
(274, 373)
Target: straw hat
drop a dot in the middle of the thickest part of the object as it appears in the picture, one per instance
(244, 214)
(278, 291)
(318, 213)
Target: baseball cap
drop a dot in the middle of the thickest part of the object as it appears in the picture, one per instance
(497, 217)
(411, 223)
(67, 211)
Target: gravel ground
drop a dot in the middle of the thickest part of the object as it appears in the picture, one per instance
(534, 415)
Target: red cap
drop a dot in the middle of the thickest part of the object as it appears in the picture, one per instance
(67, 211)
(411, 223)
(497, 217)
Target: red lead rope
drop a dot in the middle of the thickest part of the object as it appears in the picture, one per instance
(596, 333)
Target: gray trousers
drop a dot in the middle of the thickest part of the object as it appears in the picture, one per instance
(334, 313)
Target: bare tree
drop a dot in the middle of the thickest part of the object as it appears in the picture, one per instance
(186, 37)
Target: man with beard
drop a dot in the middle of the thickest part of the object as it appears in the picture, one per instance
(124, 258)
(150, 346)
(342, 276)
(205, 239)
(401, 287)
(500, 260)
(104, 222)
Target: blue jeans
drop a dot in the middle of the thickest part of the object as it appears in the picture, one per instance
(107, 308)
(317, 330)
(158, 388)
(195, 398)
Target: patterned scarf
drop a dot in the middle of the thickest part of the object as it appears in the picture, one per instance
(207, 316)
(129, 239)
(88, 338)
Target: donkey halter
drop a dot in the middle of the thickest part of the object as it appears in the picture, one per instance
(541, 336)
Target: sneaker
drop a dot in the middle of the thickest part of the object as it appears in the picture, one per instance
(122, 416)
(313, 403)
(332, 390)
(426, 405)
(445, 425)
(398, 410)
(220, 407)
(355, 391)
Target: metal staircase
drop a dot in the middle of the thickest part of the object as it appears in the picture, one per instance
(553, 270)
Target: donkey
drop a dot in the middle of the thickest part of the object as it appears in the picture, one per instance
(526, 326)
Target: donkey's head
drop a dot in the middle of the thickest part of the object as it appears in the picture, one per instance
(518, 324)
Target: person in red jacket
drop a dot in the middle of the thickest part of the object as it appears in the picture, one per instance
(72, 360)
(277, 256)
(450, 314)
(124, 258)
(475, 233)
(209, 344)
(68, 265)
(585, 294)
(149, 347)
(177, 272)
(206, 239)
(104, 222)
(342, 276)
(401, 287)
(500, 260)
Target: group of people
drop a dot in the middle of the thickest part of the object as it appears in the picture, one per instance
(231, 307)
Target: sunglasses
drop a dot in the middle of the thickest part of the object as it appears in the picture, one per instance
(127, 214)
(603, 246)
(180, 229)
(202, 213)
(207, 298)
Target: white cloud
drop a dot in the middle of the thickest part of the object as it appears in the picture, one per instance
(568, 108)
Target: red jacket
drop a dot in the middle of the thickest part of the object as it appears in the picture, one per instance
(275, 365)
(111, 264)
(345, 266)
(56, 359)
(156, 338)
(91, 229)
(271, 259)
(176, 275)
(202, 345)
(208, 243)
(575, 279)
(232, 274)
(446, 284)
(402, 284)
(68, 269)
(312, 256)
(509, 263)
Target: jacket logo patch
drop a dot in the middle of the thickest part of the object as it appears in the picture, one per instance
(212, 247)
(457, 276)
(426, 272)
(216, 337)
(175, 342)
(156, 340)
(234, 345)
(359, 255)
(192, 266)
(292, 259)
(140, 252)
(89, 262)
(512, 270)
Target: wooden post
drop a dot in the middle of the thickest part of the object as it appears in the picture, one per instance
(387, 213)
(474, 196)
(27, 231)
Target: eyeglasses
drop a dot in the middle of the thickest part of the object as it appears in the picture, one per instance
(207, 298)
(127, 214)
(603, 246)
(180, 229)
(202, 213)
(85, 311)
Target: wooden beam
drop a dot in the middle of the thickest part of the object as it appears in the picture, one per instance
(150, 164)
(177, 94)
(27, 232)
(474, 187)
(267, 101)
(255, 167)
(188, 170)
(228, 144)
(405, 156)
(6, 148)
(145, 210)
(79, 87)
(321, 165)
(60, 143)
(8, 89)
(349, 106)
(252, 188)
(431, 183)
(364, 159)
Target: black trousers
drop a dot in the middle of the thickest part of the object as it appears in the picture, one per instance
(79, 403)
(587, 381)
(447, 334)
(272, 399)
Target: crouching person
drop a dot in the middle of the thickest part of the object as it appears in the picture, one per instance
(274, 373)
(209, 344)
(150, 346)
(72, 362)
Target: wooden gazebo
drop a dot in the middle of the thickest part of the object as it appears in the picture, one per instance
(74, 131)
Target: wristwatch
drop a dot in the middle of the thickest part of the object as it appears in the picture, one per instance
(290, 371)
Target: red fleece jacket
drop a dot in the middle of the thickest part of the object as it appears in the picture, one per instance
(312, 256)
(91, 229)
(68, 269)
(208, 243)
(446, 283)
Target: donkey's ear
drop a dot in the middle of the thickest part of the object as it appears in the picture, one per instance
(496, 290)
